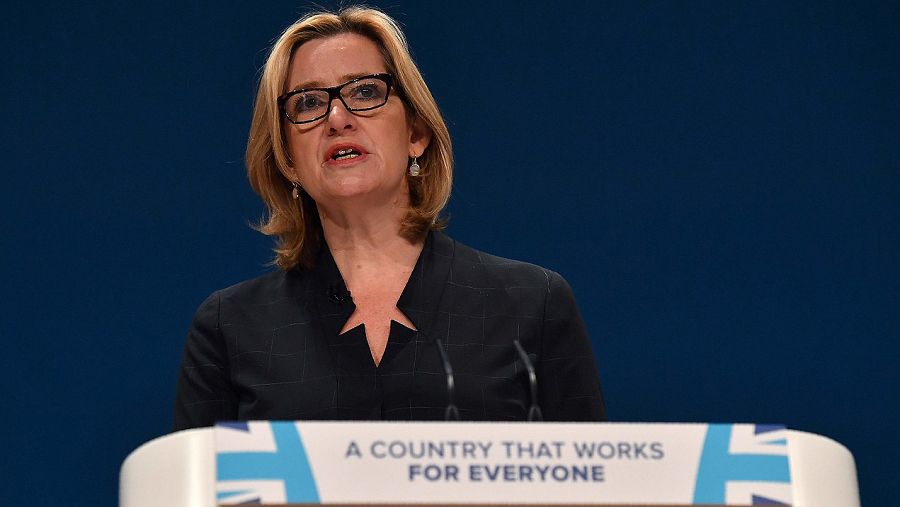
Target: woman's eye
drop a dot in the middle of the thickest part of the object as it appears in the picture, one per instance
(367, 91)
(307, 103)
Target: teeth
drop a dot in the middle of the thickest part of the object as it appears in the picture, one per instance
(345, 154)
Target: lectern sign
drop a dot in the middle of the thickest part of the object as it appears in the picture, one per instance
(279, 463)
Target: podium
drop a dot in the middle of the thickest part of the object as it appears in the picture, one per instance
(468, 463)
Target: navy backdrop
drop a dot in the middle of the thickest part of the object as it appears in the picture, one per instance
(717, 180)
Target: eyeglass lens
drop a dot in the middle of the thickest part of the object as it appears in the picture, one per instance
(359, 95)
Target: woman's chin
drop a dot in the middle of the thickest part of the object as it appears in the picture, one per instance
(352, 187)
(353, 184)
(362, 191)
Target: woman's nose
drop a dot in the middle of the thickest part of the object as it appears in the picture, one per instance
(339, 118)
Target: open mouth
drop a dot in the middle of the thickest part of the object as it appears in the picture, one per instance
(345, 153)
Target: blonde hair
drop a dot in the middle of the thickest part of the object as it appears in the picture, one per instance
(297, 225)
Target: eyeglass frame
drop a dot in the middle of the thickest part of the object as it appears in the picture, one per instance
(335, 91)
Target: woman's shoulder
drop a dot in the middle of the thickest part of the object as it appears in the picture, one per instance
(269, 286)
(258, 305)
(469, 262)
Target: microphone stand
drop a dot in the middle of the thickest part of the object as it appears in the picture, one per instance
(534, 411)
(451, 413)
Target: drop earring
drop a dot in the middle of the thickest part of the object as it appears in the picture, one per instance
(296, 192)
(414, 167)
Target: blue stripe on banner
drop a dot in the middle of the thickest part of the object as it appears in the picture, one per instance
(288, 463)
(718, 466)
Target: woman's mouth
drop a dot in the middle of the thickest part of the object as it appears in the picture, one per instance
(345, 154)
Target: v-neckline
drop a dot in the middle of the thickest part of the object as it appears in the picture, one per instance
(398, 337)
(419, 300)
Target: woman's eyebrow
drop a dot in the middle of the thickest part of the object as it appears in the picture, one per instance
(318, 84)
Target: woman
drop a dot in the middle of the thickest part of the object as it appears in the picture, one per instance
(351, 155)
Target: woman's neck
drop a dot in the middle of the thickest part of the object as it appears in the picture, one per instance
(367, 243)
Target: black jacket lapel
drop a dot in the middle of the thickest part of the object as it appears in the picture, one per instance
(421, 298)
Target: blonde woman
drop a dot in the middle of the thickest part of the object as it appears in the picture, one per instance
(353, 160)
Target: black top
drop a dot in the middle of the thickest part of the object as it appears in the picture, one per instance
(269, 348)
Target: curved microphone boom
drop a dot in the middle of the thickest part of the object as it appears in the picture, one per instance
(451, 413)
(534, 411)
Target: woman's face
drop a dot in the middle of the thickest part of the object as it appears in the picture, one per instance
(383, 138)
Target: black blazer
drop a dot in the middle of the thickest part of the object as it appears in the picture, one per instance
(269, 348)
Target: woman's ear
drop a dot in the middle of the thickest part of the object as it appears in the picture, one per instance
(419, 137)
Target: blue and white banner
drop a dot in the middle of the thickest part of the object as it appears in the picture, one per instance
(277, 463)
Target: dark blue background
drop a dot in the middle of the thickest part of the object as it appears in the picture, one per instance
(717, 180)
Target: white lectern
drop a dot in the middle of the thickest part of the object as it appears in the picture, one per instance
(467, 463)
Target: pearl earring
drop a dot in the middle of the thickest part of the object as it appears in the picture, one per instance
(296, 192)
(414, 167)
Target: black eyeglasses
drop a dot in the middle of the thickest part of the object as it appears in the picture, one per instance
(360, 94)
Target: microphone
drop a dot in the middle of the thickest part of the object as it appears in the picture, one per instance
(451, 413)
(336, 294)
(534, 411)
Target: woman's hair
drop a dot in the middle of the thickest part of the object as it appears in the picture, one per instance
(296, 223)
